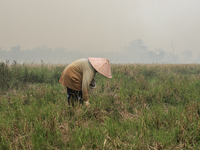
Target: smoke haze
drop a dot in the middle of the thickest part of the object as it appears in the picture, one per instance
(134, 52)
(125, 31)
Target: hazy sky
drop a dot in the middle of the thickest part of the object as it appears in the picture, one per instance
(100, 25)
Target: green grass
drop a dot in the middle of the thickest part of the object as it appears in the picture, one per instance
(144, 106)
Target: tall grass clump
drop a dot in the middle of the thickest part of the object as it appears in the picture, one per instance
(19, 75)
(4, 75)
(144, 106)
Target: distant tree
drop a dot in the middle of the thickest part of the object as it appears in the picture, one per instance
(136, 45)
(160, 55)
(15, 53)
(186, 56)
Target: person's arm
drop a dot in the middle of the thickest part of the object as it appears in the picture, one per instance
(88, 75)
(87, 79)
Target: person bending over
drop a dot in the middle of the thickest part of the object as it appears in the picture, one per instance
(78, 76)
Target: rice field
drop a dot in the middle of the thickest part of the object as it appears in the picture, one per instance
(144, 106)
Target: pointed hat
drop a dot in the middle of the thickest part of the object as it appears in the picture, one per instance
(101, 65)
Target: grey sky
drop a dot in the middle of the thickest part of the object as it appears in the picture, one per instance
(103, 26)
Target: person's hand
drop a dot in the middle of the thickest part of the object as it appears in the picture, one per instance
(93, 84)
(87, 103)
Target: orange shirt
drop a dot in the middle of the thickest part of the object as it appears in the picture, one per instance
(78, 76)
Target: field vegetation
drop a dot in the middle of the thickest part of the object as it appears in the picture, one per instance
(144, 106)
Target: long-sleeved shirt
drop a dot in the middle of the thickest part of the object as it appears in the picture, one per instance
(78, 76)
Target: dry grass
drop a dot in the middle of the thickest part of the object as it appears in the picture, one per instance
(144, 106)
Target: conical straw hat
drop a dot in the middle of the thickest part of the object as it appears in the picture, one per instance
(101, 65)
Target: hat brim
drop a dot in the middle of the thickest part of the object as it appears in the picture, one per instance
(101, 65)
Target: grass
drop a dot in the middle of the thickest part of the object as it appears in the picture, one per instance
(144, 106)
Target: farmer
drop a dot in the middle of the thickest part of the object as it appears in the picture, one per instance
(79, 75)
